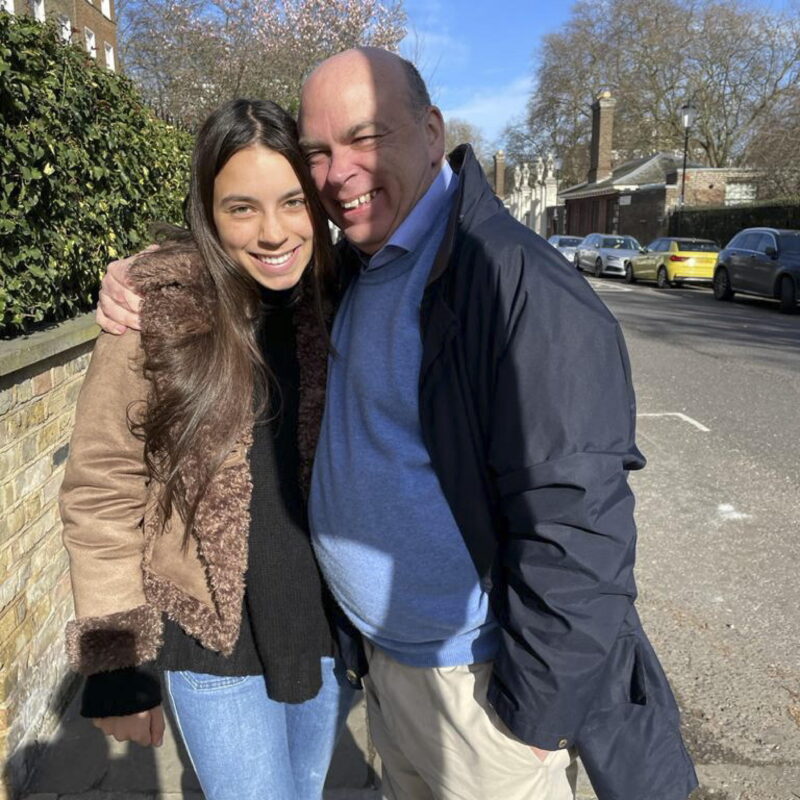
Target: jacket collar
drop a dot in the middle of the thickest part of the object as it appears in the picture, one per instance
(474, 202)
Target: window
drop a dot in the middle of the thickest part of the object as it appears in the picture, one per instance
(65, 28)
(110, 57)
(765, 240)
(91, 43)
(105, 7)
(37, 7)
(697, 246)
(738, 194)
(749, 241)
(790, 243)
(620, 243)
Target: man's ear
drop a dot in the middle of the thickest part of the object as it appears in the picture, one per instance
(434, 129)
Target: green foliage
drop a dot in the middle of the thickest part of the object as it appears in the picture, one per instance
(85, 168)
(721, 224)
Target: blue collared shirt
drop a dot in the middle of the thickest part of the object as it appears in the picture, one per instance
(413, 228)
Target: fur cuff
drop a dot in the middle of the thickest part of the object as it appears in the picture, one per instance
(124, 639)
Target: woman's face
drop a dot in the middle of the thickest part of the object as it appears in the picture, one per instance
(261, 217)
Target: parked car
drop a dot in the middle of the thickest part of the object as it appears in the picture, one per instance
(671, 260)
(606, 253)
(763, 262)
(565, 245)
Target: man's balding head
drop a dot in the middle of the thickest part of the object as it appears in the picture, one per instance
(374, 141)
(378, 60)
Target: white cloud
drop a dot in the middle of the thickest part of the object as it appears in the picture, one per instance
(491, 108)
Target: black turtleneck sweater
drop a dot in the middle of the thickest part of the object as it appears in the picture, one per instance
(284, 629)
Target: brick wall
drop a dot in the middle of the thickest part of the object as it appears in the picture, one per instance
(88, 15)
(40, 378)
(81, 14)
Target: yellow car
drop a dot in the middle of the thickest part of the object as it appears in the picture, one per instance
(673, 260)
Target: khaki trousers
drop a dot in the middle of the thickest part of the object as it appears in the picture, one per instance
(439, 739)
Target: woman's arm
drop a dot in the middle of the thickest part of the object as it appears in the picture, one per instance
(103, 499)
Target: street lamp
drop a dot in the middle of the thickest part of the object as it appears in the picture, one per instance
(688, 116)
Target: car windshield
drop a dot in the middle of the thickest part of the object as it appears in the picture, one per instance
(566, 241)
(790, 243)
(620, 243)
(698, 247)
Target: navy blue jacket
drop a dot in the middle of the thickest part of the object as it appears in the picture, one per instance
(528, 413)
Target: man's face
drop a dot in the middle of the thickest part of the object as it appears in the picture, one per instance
(370, 156)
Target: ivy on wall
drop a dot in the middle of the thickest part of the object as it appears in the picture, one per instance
(85, 169)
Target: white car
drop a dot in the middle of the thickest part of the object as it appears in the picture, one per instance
(606, 253)
(565, 245)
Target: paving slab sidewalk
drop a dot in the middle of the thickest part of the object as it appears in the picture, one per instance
(80, 763)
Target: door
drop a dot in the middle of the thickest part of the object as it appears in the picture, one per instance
(764, 267)
(743, 258)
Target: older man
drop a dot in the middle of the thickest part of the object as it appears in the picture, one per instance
(470, 507)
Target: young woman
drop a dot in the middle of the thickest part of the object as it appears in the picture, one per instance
(184, 497)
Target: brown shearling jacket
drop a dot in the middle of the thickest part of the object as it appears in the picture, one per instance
(126, 571)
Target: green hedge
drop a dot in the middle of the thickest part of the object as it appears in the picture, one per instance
(85, 168)
(721, 224)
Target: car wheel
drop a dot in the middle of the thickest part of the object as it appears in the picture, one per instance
(629, 276)
(722, 285)
(598, 268)
(787, 295)
(662, 279)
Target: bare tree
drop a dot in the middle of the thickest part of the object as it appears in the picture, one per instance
(458, 131)
(190, 56)
(733, 60)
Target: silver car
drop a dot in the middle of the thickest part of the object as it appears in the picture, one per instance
(606, 253)
(565, 245)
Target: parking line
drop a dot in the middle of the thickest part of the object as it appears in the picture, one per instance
(680, 416)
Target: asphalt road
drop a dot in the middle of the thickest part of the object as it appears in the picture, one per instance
(718, 512)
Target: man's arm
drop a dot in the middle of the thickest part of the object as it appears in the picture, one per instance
(561, 443)
(118, 305)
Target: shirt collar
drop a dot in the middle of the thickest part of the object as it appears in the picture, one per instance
(412, 229)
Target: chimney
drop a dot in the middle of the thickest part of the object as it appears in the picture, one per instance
(499, 174)
(602, 132)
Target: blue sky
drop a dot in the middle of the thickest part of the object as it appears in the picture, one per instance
(477, 56)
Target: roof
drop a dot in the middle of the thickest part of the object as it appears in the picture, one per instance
(649, 170)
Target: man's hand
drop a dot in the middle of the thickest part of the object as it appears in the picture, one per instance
(145, 728)
(540, 754)
(118, 307)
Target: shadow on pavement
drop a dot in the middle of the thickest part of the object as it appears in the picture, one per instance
(80, 760)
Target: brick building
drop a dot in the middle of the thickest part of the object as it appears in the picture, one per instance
(637, 197)
(87, 22)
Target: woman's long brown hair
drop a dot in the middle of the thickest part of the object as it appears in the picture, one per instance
(204, 378)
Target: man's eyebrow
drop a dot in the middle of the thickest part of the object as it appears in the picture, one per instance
(350, 133)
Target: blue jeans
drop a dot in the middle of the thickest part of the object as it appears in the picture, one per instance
(244, 746)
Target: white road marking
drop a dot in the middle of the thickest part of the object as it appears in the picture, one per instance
(727, 512)
(605, 286)
(680, 416)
